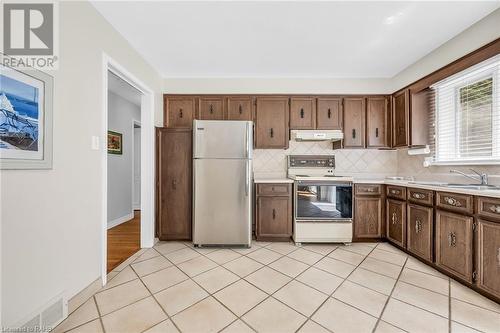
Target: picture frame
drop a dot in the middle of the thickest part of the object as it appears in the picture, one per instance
(115, 143)
(26, 118)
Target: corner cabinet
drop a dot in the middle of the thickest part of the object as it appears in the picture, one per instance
(273, 212)
(271, 123)
(400, 118)
(174, 183)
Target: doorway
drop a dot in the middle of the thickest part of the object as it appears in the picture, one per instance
(124, 158)
(128, 166)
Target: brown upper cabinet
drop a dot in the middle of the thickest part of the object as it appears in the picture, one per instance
(354, 122)
(211, 108)
(400, 118)
(179, 111)
(420, 106)
(329, 113)
(302, 113)
(271, 123)
(239, 108)
(377, 118)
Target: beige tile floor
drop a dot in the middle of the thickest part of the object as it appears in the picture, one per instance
(278, 287)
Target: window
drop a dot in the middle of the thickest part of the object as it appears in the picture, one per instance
(467, 116)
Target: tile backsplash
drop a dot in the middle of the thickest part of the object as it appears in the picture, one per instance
(414, 166)
(366, 162)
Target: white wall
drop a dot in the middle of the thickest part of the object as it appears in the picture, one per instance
(121, 116)
(479, 34)
(51, 219)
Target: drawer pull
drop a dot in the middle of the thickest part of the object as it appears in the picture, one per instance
(418, 195)
(452, 202)
(274, 214)
(495, 209)
(370, 189)
(452, 239)
(395, 191)
(418, 226)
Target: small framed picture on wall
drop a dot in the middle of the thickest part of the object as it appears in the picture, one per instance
(115, 143)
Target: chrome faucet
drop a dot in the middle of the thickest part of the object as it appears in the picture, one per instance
(482, 177)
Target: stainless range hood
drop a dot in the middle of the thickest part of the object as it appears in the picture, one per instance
(317, 135)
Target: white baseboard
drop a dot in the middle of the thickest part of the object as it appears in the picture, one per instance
(120, 220)
(136, 206)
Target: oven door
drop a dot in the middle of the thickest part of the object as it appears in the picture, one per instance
(323, 201)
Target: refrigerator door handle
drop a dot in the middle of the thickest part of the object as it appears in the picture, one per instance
(247, 143)
(247, 178)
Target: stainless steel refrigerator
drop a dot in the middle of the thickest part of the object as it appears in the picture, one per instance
(222, 182)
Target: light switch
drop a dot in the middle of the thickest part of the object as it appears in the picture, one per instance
(95, 142)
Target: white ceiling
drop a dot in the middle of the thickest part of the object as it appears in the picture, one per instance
(289, 39)
(123, 89)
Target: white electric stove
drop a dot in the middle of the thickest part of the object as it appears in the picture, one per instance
(323, 202)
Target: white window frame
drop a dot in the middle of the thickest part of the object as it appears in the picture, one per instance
(494, 73)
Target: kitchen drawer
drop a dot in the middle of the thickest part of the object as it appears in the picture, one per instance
(274, 189)
(453, 201)
(488, 208)
(396, 192)
(368, 189)
(423, 197)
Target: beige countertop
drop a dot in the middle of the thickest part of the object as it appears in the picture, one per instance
(430, 185)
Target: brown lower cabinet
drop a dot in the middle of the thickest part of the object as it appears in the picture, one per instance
(454, 244)
(174, 183)
(273, 212)
(419, 231)
(368, 211)
(396, 221)
(488, 256)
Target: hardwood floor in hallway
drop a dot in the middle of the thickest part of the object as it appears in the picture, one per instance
(123, 241)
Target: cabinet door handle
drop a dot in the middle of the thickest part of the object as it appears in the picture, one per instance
(394, 219)
(271, 132)
(274, 214)
(329, 113)
(452, 239)
(498, 256)
(180, 113)
(452, 202)
(211, 109)
(495, 209)
(302, 113)
(418, 226)
(240, 109)
(354, 133)
(376, 132)
(418, 195)
(174, 184)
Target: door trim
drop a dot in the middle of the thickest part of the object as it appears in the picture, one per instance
(147, 156)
